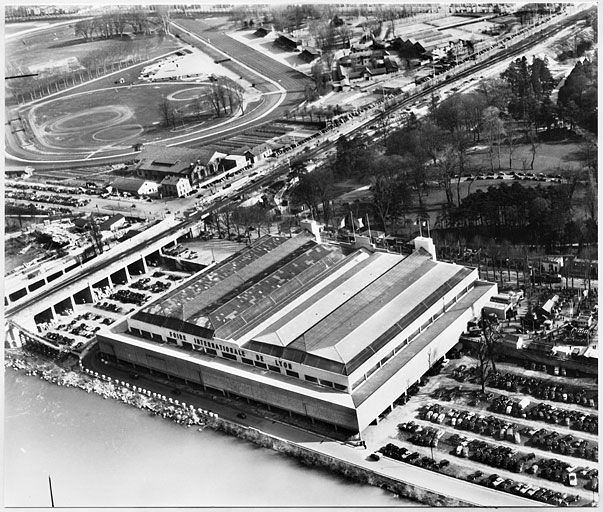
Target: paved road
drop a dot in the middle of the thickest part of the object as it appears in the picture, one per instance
(293, 81)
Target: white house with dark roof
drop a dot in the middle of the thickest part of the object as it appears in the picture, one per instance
(175, 186)
(113, 223)
(156, 162)
(135, 186)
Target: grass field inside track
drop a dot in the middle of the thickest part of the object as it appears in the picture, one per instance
(113, 115)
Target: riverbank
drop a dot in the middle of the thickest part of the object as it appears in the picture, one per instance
(102, 454)
(108, 388)
(335, 457)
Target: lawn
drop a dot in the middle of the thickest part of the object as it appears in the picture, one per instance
(550, 158)
(59, 48)
(109, 115)
(13, 28)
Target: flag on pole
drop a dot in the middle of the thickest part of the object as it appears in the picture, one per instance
(359, 223)
(342, 223)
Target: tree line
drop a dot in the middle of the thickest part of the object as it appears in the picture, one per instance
(117, 23)
(247, 222)
(90, 65)
(222, 97)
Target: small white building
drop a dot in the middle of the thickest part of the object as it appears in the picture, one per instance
(135, 186)
(175, 186)
(552, 264)
(498, 309)
(113, 223)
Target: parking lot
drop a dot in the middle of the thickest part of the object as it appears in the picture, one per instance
(75, 328)
(530, 433)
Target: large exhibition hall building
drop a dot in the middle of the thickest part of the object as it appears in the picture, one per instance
(306, 327)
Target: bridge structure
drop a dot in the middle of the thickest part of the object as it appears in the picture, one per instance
(42, 303)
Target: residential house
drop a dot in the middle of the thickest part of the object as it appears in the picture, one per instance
(254, 154)
(11, 173)
(309, 54)
(156, 162)
(261, 32)
(82, 223)
(286, 43)
(175, 186)
(551, 264)
(113, 223)
(364, 64)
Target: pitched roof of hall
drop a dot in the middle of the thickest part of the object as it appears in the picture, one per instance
(230, 297)
(127, 184)
(171, 158)
(349, 319)
(307, 302)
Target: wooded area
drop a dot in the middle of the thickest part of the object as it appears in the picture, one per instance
(503, 113)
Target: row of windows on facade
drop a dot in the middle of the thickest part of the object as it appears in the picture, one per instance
(406, 341)
(230, 353)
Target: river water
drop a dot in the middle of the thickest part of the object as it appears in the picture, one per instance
(104, 453)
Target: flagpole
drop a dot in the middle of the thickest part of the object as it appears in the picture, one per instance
(353, 227)
(51, 495)
(369, 226)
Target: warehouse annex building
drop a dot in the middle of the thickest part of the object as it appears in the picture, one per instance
(305, 327)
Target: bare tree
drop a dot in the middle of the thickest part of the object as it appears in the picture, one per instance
(534, 144)
(167, 113)
(390, 190)
(85, 29)
(511, 146)
(495, 130)
(163, 14)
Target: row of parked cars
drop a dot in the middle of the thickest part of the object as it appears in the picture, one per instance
(59, 339)
(530, 491)
(546, 413)
(109, 306)
(415, 458)
(129, 297)
(563, 444)
(154, 287)
(507, 458)
(471, 421)
(28, 185)
(28, 195)
(422, 436)
(528, 176)
(544, 389)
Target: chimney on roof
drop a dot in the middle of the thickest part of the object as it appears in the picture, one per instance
(198, 162)
(422, 242)
(192, 165)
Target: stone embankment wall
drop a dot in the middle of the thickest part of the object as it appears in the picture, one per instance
(349, 470)
(188, 415)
